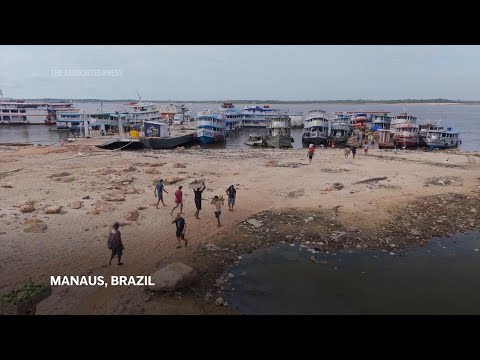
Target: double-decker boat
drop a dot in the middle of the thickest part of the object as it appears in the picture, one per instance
(256, 116)
(442, 138)
(405, 135)
(278, 131)
(340, 129)
(315, 127)
(211, 127)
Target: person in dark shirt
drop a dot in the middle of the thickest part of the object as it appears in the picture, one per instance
(198, 199)
(159, 189)
(354, 151)
(232, 195)
(117, 248)
(181, 227)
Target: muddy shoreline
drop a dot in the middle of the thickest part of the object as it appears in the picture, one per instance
(320, 231)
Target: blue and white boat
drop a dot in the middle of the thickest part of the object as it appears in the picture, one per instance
(69, 120)
(233, 116)
(211, 127)
(256, 116)
(442, 138)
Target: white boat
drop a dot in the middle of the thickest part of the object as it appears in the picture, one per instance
(340, 129)
(381, 121)
(211, 127)
(168, 111)
(72, 119)
(141, 111)
(21, 112)
(278, 131)
(315, 128)
(256, 116)
(402, 119)
(255, 140)
(442, 138)
(233, 116)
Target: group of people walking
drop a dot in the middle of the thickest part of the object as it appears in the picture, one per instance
(115, 241)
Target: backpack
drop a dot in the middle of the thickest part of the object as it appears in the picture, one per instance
(112, 239)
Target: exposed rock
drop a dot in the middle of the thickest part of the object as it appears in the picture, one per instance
(179, 165)
(180, 149)
(7, 186)
(142, 207)
(54, 209)
(271, 163)
(76, 205)
(174, 180)
(27, 208)
(130, 169)
(212, 247)
(172, 277)
(113, 196)
(130, 191)
(337, 186)
(255, 223)
(103, 206)
(151, 171)
(86, 197)
(35, 226)
(62, 174)
(132, 215)
(124, 223)
(219, 301)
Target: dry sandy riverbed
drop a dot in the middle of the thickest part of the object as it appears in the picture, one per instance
(424, 194)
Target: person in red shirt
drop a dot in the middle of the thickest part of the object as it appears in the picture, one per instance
(311, 151)
(178, 200)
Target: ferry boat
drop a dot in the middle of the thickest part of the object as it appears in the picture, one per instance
(168, 111)
(107, 122)
(424, 129)
(233, 116)
(340, 129)
(255, 140)
(278, 131)
(402, 119)
(138, 112)
(381, 122)
(69, 120)
(256, 116)
(296, 119)
(358, 121)
(20, 112)
(406, 135)
(157, 135)
(442, 138)
(211, 127)
(315, 128)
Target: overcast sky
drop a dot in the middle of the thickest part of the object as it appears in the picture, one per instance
(242, 72)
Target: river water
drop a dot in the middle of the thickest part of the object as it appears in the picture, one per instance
(440, 278)
(463, 117)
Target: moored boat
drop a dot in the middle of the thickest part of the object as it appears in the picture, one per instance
(278, 131)
(340, 129)
(405, 135)
(157, 135)
(315, 128)
(255, 140)
(256, 116)
(442, 138)
(211, 127)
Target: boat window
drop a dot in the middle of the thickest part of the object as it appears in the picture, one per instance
(14, 111)
(24, 118)
(6, 117)
(5, 111)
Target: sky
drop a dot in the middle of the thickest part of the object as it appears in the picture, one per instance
(235, 72)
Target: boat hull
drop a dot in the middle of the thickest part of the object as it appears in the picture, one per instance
(440, 146)
(406, 143)
(279, 141)
(204, 139)
(157, 143)
(314, 140)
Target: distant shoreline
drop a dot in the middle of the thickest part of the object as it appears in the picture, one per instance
(297, 102)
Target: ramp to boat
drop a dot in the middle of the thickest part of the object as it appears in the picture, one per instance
(122, 144)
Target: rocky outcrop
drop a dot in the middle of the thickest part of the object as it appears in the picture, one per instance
(172, 277)
(132, 215)
(54, 209)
